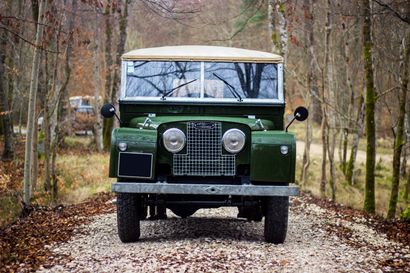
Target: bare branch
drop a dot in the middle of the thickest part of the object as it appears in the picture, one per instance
(386, 92)
(27, 41)
(244, 25)
(27, 21)
(243, 11)
(405, 19)
(169, 13)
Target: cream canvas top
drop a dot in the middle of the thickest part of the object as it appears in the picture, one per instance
(202, 53)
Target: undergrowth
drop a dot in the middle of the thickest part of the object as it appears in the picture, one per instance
(81, 173)
(353, 195)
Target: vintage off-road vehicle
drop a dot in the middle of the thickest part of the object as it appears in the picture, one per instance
(202, 127)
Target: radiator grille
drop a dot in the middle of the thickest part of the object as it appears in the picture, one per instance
(204, 152)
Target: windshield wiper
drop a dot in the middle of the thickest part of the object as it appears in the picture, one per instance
(231, 88)
(175, 88)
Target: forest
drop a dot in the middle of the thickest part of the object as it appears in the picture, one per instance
(346, 61)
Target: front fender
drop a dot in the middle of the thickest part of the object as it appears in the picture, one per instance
(268, 164)
(138, 141)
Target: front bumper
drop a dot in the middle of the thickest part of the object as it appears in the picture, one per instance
(205, 189)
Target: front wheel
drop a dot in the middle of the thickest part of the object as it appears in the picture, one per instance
(128, 216)
(276, 219)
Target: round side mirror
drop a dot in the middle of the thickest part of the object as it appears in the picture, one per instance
(301, 113)
(108, 110)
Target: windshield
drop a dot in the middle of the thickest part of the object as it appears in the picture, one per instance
(219, 80)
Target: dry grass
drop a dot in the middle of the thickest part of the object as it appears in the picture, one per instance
(384, 145)
(353, 195)
(81, 176)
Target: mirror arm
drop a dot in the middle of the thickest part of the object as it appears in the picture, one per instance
(290, 123)
(118, 118)
(287, 126)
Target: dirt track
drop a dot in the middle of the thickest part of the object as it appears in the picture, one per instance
(316, 151)
(319, 240)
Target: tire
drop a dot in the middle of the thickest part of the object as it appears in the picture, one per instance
(183, 212)
(276, 219)
(128, 222)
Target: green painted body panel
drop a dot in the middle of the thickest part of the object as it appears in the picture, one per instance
(154, 122)
(269, 112)
(138, 140)
(267, 162)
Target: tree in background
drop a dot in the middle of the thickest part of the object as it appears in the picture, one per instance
(5, 112)
(279, 27)
(369, 193)
(98, 125)
(122, 28)
(312, 93)
(32, 102)
(399, 139)
(112, 84)
(108, 23)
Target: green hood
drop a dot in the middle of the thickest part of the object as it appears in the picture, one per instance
(153, 122)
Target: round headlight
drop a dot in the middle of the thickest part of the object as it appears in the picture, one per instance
(233, 140)
(174, 140)
(122, 146)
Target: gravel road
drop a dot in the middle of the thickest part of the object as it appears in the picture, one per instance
(318, 240)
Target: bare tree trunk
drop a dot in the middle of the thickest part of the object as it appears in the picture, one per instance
(332, 99)
(348, 121)
(407, 190)
(273, 33)
(278, 27)
(54, 179)
(5, 113)
(98, 120)
(120, 50)
(34, 167)
(64, 103)
(312, 100)
(47, 148)
(32, 103)
(108, 123)
(369, 195)
(306, 152)
(355, 142)
(5, 109)
(324, 128)
(407, 120)
(20, 118)
(399, 140)
(63, 110)
(51, 107)
(403, 165)
(324, 136)
(332, 180)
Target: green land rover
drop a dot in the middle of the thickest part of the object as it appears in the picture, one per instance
(202, 127)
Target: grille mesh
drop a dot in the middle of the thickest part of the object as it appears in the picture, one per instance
(204, 152)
